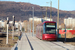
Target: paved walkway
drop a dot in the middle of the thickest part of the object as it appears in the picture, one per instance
(29, 42)
(23, 44)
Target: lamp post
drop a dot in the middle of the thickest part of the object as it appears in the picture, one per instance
(13, 27)
(33, 21)
(28, 27)
(58, 20)
(24, 26)
(20, 26)
(42, 12)
(50, 10)
(7, 30)
(46, 10)
(30, 24)
(65, 28)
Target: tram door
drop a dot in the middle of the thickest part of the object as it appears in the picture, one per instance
(41, 30)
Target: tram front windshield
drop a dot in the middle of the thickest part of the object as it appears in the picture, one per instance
(50, 28)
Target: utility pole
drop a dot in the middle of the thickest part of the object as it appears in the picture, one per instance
(58, 20)
(30, 24)
(65, 29)
(33, 22)
(50, 10)
(7, 30)
(24, 26)
(13, 27)
(73, 24)
(20, 26)
(30, 27)
(46, 12)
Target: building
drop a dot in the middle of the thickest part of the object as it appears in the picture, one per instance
(39, 19)
(35, 19)
(69, 22)
(2, 23)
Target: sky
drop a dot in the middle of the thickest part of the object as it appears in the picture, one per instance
(68, 5)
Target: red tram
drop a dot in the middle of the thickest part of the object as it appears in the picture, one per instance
(46, 31)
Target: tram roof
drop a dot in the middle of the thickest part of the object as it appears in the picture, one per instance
(46, 22)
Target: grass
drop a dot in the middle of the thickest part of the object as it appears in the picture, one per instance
(15, 37)
(11, 42)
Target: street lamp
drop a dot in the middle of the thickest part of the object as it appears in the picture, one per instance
(33, 21)
(30, 24)
(42, 12)
(13, 27)
(58, 19)
(46, 10)
(65, 28)
(50, 9)
(7, 30)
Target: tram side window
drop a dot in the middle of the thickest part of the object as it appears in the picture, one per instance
(41, 29)
(36, 30)
(44, 28)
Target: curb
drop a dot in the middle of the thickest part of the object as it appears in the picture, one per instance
(15, 46)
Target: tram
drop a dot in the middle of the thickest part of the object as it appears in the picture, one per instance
(46, 31)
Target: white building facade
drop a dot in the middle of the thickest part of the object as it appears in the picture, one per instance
(2, 23)
(69, 22)
(39, 19)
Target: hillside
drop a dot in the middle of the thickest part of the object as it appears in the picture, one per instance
(23, 10)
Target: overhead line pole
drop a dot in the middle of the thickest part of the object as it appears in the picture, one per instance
(65, 29)
(13, 27)
(30, 25)
(7, 30)
(58, 20)
(33, 22)
(50, 10)
(46, 12)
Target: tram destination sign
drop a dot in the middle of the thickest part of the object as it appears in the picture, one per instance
(50, 23)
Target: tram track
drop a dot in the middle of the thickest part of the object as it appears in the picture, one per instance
(47, 45)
